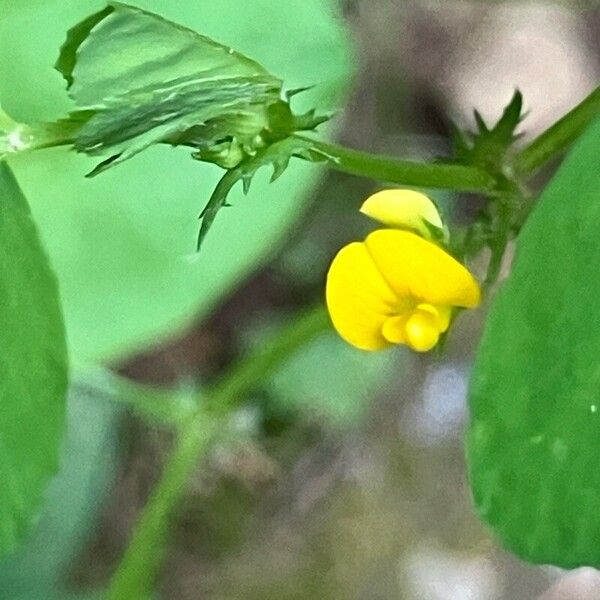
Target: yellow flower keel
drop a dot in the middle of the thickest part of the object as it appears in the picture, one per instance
(419, 329)
(422, 332)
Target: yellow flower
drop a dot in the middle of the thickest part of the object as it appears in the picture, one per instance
(396, 287)
(404, 209)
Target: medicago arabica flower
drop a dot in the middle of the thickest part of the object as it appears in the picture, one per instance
(398, 286)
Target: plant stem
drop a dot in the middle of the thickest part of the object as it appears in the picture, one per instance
(137, 571)
(143, 557)
(257, 366)
(551, 143)
(406, 172)
(557, 138)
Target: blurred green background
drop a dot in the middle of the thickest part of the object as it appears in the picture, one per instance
(343, 476)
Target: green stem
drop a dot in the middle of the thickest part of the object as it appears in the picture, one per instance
(257, 366)
(557, 138)
(137, 571)
(406, 172)
(553, 142)
(19, 137)
(163, 407)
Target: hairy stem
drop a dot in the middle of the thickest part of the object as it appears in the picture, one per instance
(406, 172)
(557, 138)
(137, 571)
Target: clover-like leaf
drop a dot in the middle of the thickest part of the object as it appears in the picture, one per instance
(139, 79)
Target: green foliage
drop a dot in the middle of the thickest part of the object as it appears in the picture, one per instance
(33, 366)
(122, 244)
(491, 149)
(533, 441)
(488, 147)
(147, 53)
(160, 82)
(137, 80)
(74, 499)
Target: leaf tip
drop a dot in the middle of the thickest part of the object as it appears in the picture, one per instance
(67, 58)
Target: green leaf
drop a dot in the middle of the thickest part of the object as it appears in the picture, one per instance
(123, 244)
(75, 498)
(157, 81)
(65, 64)
(161, 82)
(33, 366)
(534, 436)
(202, 111)
(503, 134)
(147, 52)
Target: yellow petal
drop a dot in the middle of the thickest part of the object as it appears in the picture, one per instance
(403, 209)
(414, 266)
(358, 298)
(393, 329)
(421, 331)
(442, 314)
